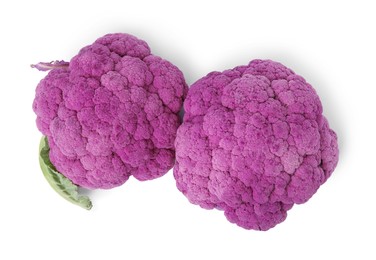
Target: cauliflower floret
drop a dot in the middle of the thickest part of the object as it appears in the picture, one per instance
(111, 112)
(253, 143)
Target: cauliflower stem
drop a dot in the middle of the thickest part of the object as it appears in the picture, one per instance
(45, 66)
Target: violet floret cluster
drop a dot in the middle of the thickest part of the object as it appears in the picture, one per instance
(253, 143)
(111, 112)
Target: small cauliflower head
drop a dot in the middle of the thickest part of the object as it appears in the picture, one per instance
(111, 112)
(253, 143)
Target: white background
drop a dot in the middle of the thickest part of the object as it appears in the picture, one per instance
(331, 43)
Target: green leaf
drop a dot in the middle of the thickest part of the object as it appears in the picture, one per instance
(61, 184)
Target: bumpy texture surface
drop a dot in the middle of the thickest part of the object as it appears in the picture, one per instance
(253, 142)
(112, 113)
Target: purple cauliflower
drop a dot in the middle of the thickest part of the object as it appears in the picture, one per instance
(252, 143)
(111, 112)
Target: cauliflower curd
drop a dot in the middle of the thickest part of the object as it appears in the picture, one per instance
(111, 112)
(253, 143)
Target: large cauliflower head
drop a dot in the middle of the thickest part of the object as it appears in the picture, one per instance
(253, 142)
(112, 113)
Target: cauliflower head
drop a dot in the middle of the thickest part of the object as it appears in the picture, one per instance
(111, 112)
(253, 143)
